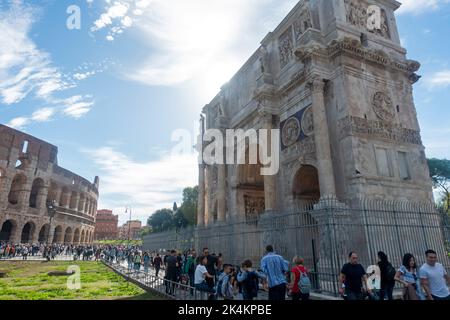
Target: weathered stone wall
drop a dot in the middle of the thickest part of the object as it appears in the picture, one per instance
(341, 95)
(30, 178)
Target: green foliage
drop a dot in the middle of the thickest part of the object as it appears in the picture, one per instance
(189, 205)
(161, 220)
(179, 217)
(28, 280)
(440, 175)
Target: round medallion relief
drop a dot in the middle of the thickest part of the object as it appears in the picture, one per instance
(291, 131)
(308, 122)
(383, 107)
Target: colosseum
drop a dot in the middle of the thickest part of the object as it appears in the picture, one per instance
(39, 200)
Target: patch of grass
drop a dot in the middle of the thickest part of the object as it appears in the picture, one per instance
(28, 280)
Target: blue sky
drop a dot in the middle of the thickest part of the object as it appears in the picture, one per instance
(111, 94)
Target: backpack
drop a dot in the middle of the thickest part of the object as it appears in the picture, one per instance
(251, 284)
(390, 272)
(219, 292)
(304, 283)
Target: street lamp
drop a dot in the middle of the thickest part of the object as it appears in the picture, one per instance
(129, 224)
(51, 210)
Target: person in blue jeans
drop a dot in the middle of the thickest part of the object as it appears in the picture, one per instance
(200, 276)
(146, 260)
(275, 268)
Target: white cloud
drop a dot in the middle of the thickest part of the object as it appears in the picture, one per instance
(77, 106)
(145, 186)
(83, 75)
(24, 69)
(18, 123)
(420, 6)
(43, 114)
(439, 79)
(199, 39)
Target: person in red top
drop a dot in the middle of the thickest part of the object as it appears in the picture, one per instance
(295, 278)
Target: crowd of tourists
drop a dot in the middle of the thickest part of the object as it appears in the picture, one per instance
(429, 282)
(207, 272)
(47, 251)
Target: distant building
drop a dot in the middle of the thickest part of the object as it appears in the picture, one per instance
(130, 230)
(106, 225)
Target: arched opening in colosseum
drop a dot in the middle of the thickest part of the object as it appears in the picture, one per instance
(58, 235)
(68, 235)
(18, 185)
(28, 231)
(83, 237)
(73, 200)
(8, 229)
(36, 189)
(76, 236)
(250, 188)
(305, 188)
(44, 233)
(53, 193)
(65, 197)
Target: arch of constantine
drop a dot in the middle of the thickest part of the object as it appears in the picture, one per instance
(353, 171)
(31, 180)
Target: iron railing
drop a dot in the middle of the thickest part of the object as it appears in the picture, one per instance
(323, 234)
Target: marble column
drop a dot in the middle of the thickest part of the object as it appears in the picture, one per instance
(74, 201)
(58, 196)
(322, 140)
(269, 180)
(221, 193)
(16, 233)
(201, 196)
(209, 219)
(24, 198)
(41, 200)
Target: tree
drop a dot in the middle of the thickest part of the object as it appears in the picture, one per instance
(179, 221)
(189, 205)
(440, 175)
(161, 220)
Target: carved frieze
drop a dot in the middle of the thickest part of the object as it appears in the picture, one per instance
(307, 122)
(381, 130)
(383, 106)
(254, 206)
(291, 131)
(302, 23)
(359, 14)
(286, 47)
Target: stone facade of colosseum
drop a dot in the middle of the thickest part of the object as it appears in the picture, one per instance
(31, 184)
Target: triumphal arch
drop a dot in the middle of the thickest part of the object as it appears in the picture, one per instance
(335, 81)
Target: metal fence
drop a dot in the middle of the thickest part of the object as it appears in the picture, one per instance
(150, 282)
(323, 234)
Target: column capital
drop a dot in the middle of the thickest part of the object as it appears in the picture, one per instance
(316, 85)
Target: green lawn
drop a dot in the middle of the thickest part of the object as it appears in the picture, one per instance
(29, 281)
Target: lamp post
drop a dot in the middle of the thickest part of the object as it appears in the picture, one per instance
(129, 224)
(51, 210)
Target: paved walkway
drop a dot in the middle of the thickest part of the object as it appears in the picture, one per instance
(181, 292)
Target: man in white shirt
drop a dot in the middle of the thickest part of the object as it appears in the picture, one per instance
(434, 278)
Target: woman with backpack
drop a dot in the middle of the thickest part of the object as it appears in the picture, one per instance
(387, 276)
(300, 285)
